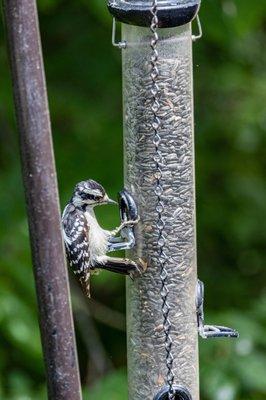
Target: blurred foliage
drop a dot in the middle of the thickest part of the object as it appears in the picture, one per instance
(114, 385)
(83, 76)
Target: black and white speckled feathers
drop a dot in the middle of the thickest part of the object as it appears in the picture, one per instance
(85, 241)
(76, 231)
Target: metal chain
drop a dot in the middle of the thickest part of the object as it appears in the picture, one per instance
(158, 190)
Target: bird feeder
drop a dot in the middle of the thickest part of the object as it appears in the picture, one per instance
(163, 305)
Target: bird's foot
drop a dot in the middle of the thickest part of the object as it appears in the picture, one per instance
(131, 222)
(140, 268)
(124, 225)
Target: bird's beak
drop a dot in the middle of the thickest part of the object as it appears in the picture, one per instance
(109, 201)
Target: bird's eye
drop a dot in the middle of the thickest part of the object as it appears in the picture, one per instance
(87, 196)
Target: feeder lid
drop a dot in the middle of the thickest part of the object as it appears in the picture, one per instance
(170, 12)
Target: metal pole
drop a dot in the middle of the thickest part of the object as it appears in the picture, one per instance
(38, 168)
(159, 172)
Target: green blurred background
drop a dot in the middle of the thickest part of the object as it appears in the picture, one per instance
(84, 84)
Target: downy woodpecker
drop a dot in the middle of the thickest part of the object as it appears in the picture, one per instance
(85, 241)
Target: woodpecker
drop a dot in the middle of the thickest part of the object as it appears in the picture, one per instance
(86, 242)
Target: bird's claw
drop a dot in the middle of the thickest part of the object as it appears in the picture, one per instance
(136, 221)
(131, 222)
(141, 267)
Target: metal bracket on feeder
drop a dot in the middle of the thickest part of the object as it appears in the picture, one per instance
(199, 34)
(210, 331)
(171, 13)
(121, 44)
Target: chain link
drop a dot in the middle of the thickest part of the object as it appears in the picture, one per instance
(158, 190)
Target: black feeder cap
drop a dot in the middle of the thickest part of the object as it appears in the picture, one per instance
(171, 13)
(181, 393)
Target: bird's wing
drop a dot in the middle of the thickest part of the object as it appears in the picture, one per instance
(76, 231)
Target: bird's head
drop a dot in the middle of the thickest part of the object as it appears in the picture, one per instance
(90, 193)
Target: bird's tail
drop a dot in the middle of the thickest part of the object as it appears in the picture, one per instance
(84, 281)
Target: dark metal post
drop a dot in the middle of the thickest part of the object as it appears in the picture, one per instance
(39, 176)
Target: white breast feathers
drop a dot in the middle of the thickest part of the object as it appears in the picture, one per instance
(98, 238)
